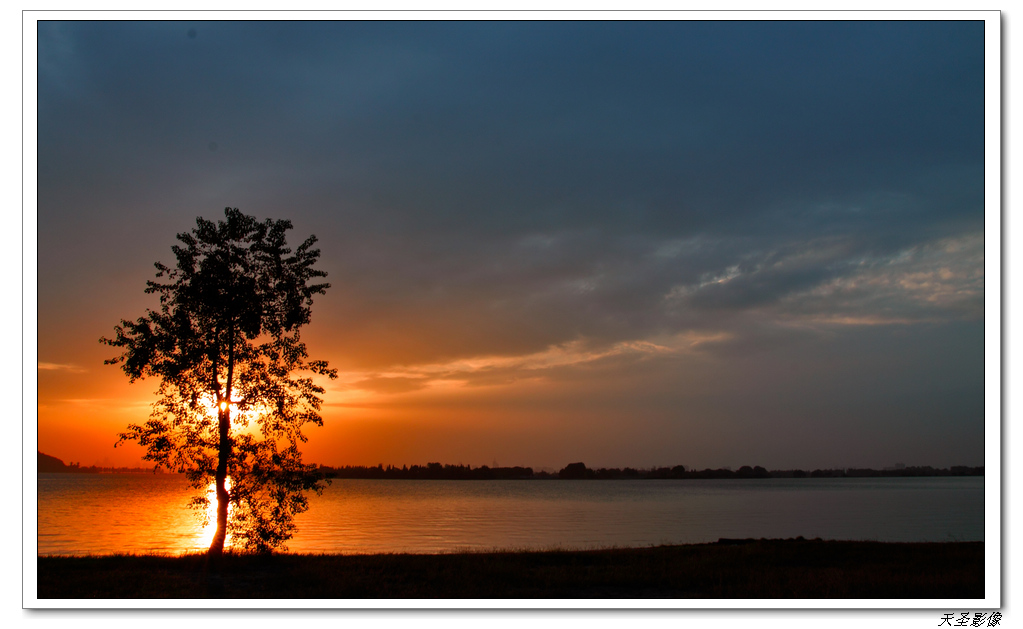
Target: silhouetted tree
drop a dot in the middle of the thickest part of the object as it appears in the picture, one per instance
(225, 345)
(576, 471)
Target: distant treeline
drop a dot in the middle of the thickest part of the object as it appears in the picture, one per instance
(436, 471)
(52, 465)
(852, 472)
(433, 471)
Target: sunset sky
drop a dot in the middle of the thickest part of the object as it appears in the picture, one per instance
(623, 243)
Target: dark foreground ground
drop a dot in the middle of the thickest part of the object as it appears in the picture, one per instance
(727, 569)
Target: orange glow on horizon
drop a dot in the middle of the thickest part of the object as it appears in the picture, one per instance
(474, 409)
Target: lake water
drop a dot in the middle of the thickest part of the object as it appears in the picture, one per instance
(142, 513)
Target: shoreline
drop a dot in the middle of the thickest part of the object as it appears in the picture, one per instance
(729, 568)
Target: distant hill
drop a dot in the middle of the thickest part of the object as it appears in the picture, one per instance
(50, 464)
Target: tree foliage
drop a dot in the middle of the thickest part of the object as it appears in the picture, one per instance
(236, 385)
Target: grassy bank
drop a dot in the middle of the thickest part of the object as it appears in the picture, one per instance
(727, 569)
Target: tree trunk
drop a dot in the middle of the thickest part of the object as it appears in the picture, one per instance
(224, 452)
(217, 547)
